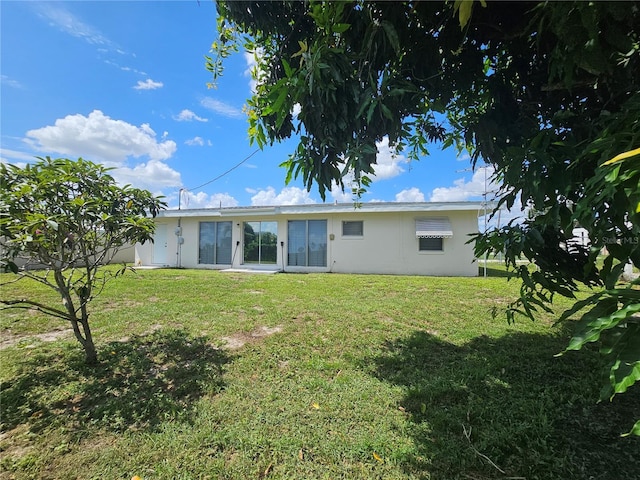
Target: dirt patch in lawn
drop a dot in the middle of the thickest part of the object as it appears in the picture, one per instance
(238, 340)
(9, 340)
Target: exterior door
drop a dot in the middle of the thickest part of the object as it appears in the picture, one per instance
(160, 245)
(260, 243)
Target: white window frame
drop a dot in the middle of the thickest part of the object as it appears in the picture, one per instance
(433, 228)
(306, 246)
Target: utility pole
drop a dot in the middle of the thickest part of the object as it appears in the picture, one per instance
(485, 216)
(484, 205)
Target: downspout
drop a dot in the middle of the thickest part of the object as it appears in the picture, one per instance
(179, 241)
(282, 255)
(178, 232)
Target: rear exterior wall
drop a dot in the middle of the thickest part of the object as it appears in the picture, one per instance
(388, 245)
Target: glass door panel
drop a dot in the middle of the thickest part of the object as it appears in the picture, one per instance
(260, 242)
(268, 242)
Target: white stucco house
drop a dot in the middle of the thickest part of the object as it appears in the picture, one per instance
(388, 238)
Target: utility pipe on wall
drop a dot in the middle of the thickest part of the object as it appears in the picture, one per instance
(282, 255)
(179, 242)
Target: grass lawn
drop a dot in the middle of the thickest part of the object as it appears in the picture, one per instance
(242, 376)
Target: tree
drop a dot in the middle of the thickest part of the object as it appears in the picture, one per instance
(64, 219)
(545, 92)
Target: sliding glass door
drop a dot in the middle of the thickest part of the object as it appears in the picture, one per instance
(260, 243)
(307, 243)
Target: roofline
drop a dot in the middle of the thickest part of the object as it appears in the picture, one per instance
(378, 207)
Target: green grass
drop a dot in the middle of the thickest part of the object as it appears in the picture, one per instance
(368, 377)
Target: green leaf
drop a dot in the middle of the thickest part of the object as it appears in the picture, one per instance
(372, 108)
(287, 68)
(340, 27)
(277, 105)
(392, 35)
(595, 322)
(626, 370)
(624, 375)
(635, 430)
(386, 111)
(464, 7)
(579, 306)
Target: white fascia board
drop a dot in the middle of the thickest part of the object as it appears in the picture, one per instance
(393, 207)
(324, 208)
(196, 212)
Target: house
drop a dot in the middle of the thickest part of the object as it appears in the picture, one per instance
(387, 238)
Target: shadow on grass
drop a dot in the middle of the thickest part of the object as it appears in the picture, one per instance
(507, 408)
(137, 385)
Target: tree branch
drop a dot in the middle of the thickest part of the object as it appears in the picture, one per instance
(28, 304)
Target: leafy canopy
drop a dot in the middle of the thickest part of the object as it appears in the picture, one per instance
(545, 92)
(60, 220)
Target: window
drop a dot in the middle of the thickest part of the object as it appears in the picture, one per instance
(307, 243)
(430, 232)
(260, 242)
(430, 244)
(352, 228)
(215, 243)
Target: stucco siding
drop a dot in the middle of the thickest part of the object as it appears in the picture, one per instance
(388, 244)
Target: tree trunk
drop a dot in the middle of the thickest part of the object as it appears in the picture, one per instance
(90, 353)
(86, 340)
(84, 337)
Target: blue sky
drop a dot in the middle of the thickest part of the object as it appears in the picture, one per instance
(125, 84)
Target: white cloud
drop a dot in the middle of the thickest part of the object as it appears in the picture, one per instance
(187, 116)
(148, 84)
(221, 108)
(99, 138)
(462, 191)
(152, 175)
(410, 195)
(10, 156)
(10, 82)
(12, 162)
(341, 197)
(59, 17)
(204, 200)
(388, 162)
(65, 21)
(124, 69)
(195, 141)
(287, 196)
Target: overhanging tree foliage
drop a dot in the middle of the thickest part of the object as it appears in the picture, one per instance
(61, 220)
(545, 92)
